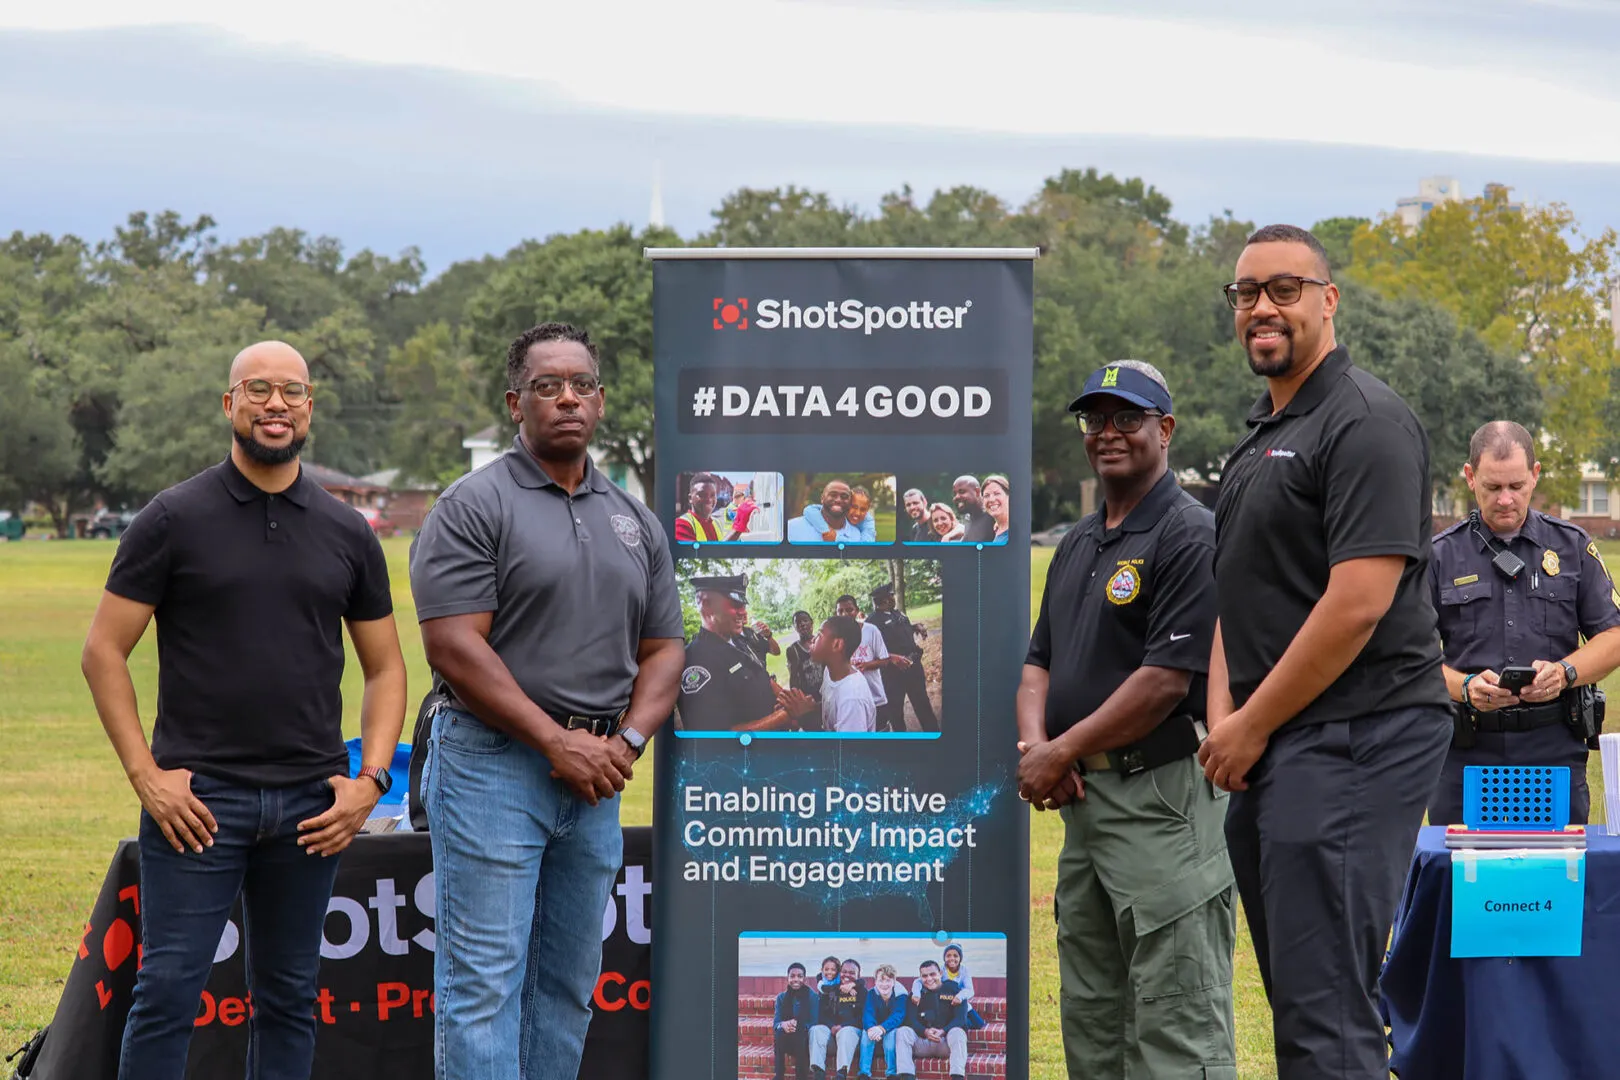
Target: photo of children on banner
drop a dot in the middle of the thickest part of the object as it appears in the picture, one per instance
(728, 508)
(841, 508)
(944, 508)
(842, 1023)
(845, 671)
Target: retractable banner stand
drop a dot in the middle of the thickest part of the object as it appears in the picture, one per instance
(843, 450)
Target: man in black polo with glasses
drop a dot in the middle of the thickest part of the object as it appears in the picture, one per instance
(1113, 687)
(1328, 712)
(548, 609)
(251, 571)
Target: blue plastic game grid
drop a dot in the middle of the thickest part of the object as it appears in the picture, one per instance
(1524, 797)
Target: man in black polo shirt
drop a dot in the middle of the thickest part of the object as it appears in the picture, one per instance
(250, 570)
(1328, 712)
(1114, 688)
(547, 601)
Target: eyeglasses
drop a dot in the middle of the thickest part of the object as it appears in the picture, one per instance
(259, 391)
(1125, 421)
(1284, 289)
(551, 386)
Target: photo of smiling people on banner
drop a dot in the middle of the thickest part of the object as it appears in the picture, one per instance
(728, 508)
(824, 648)
(840, 508)
(951, 508)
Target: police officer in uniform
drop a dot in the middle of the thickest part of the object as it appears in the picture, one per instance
(724, 686)
(904, 676)
(1110, 709)
(1514, 586)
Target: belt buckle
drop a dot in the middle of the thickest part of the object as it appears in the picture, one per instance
(1129, 763)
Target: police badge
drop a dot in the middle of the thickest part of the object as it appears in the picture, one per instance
(1549, 562)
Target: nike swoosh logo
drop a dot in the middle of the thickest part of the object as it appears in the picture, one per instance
(1179, 637)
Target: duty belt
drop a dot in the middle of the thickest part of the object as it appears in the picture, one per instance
(1176, 738)
(596, 725)
(1522, 717)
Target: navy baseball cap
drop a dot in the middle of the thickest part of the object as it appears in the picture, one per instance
(1126, 384)
(733, 585)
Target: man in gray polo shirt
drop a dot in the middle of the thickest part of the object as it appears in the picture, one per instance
(549, 611)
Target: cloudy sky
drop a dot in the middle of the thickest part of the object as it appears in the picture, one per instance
(1534, 79)
(465, 126)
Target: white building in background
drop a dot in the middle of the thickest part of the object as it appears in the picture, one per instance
(1433, 191)
(489, 444)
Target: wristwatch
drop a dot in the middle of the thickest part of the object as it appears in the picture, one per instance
(379, 776)
(1569, 673)
(637, 741)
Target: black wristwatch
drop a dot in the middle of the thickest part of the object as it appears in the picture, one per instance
(635, 739)
(1569, 674)
(381, 777)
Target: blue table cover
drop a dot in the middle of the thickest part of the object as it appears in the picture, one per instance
(1493, 1018)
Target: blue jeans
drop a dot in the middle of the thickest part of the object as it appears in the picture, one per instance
(185, 901)
(522, 868)
(869, 1048)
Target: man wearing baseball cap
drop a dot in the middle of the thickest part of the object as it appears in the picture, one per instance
(1110, 715)
(724, 686)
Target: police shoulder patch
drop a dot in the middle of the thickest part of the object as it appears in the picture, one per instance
(1124, 585)
(694, 679)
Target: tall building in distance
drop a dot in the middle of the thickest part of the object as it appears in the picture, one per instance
(1436, 191)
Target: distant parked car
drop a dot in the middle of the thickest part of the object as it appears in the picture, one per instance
(109, 524)
(12, 526)
(1050, 537)
(377, 520)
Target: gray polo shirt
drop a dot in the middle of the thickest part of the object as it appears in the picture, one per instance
(575, 581)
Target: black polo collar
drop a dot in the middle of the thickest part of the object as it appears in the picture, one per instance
(244, 490)
(1146, 514)
(1311, 393)
(528, 472)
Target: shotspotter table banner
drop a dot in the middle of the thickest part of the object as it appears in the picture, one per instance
(841, 432)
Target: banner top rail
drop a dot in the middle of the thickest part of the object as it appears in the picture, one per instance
(842, 253)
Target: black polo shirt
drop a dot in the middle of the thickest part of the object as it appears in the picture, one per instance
(1342, 472)
(1138, 595)
(251, 591)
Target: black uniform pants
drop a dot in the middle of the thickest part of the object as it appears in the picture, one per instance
(1553, 744)
(795, 1045)
(899, 685)
(1320, 844)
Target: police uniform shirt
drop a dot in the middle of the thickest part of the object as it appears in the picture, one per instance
(1342, 472)
(723, 685)
(574, 582)
(1563, 593)
(896, 631)
(1138, 595)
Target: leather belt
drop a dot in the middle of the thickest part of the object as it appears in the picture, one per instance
(1176, 738)
(1522, 717)
(596, 725)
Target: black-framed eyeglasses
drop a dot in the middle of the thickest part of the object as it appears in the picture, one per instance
(1284, 289)
(551, 386)
(259, 391)
(1126, 421)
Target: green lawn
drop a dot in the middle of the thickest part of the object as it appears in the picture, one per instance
(64, 803)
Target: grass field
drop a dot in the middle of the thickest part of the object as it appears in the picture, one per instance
(64, 802)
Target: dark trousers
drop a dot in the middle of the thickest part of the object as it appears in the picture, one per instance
(186, 899)
(899, 685)
(1550, 745)
(1320, 844)
(795, 1045)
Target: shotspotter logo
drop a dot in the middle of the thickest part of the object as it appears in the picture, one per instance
(738, 313)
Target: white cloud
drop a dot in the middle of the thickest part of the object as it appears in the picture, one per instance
(1033, 72)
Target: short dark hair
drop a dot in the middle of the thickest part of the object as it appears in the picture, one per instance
(797, 615)
(847, 631)
(517, 353)
(834, 960)
(926, 964)
(1293, 234)
(796, 966)
(702, 478)
(848, 597)
(854, 961)
(1498, 438)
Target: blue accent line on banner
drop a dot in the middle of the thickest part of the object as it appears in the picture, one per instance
(863, 736)
(978, 936)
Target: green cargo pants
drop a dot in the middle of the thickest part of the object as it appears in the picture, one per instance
(1146, 928)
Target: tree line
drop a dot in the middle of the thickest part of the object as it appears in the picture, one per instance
(114, 354)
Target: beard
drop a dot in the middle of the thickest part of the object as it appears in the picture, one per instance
(264, 454)
(1280, 362)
